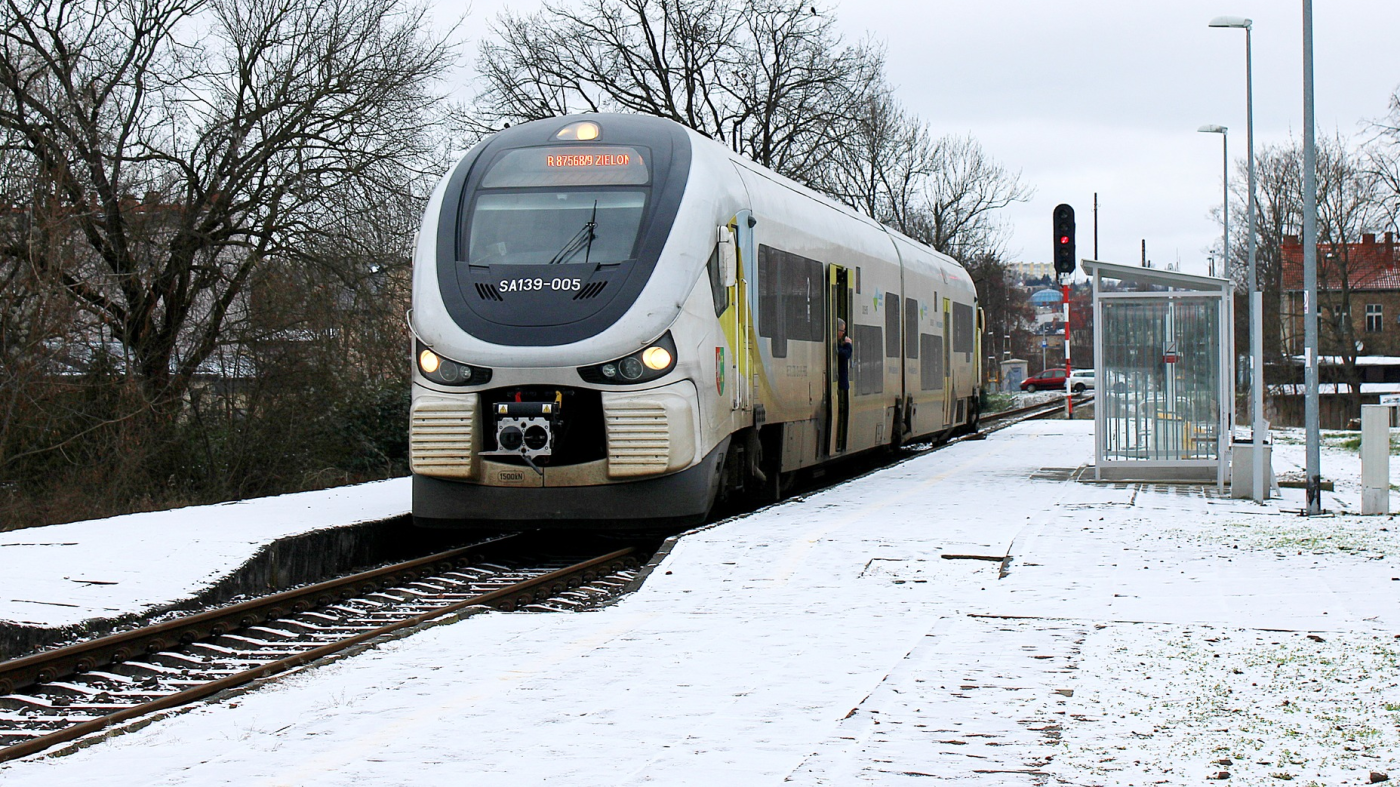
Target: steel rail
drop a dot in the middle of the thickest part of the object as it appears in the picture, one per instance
(51, 665)
(192, 694)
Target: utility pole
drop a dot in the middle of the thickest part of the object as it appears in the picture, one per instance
(1313, 460)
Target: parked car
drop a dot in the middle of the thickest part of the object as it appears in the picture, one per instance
(1081, 380)
(1054, 380)
(1048, 380)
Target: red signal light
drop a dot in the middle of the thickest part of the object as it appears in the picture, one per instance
(1064, 239)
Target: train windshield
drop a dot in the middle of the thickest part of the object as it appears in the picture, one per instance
(540, 227)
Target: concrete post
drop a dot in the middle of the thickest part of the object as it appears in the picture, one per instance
(1375, 459)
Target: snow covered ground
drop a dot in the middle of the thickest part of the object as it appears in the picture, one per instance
(65, 574)
(1137, 635)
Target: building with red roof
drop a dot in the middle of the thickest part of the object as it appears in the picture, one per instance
(1358, 294)
(1358, 287)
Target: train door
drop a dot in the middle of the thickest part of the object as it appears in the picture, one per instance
(739, 320)
(949, 395)
(840, 366)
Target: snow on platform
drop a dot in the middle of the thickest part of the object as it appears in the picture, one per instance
(1137, 635)
(64, 575)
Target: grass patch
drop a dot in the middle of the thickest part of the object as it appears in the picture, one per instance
(996, 402)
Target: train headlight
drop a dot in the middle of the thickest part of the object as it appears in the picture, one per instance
(655, 360)
(444, 371)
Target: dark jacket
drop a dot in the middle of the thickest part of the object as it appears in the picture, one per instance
(843, 364)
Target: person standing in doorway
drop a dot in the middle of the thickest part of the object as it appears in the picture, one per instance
(844, 350)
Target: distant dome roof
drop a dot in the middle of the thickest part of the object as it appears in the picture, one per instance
(1044, 297)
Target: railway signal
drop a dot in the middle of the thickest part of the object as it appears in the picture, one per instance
(1063, 220)
(1064, 238)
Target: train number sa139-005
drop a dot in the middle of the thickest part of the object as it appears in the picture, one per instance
(525, 285)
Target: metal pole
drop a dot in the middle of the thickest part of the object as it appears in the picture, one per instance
(1256, 319)
(1225, 205)
(1096, 225)
(1310, 408)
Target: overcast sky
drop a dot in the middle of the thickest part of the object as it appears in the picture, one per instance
(1085, 96)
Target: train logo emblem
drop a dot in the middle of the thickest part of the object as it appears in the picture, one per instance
(719, 370)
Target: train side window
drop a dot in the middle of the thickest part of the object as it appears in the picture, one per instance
(911, 328)
(803, 302)
(791, 292)
(772, 319)
(891, 325)
(931, 370)
(717, 288)
(794, 297)
(963, 331)
(867, 360)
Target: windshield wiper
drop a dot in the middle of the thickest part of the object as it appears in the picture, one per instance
(583, 239)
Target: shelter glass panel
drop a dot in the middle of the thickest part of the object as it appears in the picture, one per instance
(1159, 379)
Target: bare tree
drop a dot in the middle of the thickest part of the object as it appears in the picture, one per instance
(1348, 205)
(770, 78)
(955, 211)
(185, 143)
(162, 163)
(1009, 314)
(1384, 162)
(883, 162)
(1279, 215)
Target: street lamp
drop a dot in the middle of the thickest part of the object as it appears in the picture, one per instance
(1256, 298)
(1225, 206)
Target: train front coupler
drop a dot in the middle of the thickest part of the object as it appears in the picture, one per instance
(526, 430)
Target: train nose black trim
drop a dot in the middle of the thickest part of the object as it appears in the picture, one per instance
(590, 290)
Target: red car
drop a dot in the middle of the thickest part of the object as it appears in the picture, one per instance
(1050, 379)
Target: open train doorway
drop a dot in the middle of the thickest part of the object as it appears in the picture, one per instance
(839, 357)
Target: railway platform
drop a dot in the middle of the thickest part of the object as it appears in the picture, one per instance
(973, 615)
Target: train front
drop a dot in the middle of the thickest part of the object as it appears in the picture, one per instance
(554, 363)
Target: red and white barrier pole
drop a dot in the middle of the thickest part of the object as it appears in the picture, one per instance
(1069, 391)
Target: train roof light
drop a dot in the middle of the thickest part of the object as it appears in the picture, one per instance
(582, 130)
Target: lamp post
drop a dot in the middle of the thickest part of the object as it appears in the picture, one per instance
(1256, 298)
(1225, 177)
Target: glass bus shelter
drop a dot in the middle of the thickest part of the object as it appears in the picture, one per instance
(1165, 383)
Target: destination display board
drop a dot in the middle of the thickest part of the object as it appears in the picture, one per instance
(572, 165)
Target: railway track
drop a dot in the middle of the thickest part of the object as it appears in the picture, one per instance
(60, 695)
(1041, 410)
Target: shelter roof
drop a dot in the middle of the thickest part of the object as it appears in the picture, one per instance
(1156, 277)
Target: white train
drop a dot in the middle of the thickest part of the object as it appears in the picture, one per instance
(617, 320)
